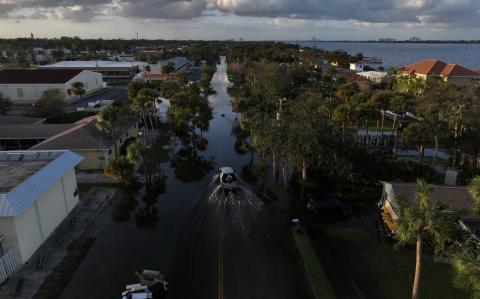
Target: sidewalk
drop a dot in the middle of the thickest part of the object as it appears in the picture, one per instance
(314, 271)
(29, 277)
(97, 177)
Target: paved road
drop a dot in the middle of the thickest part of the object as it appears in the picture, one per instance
(113, 93)
(207, 246)
(237, 247)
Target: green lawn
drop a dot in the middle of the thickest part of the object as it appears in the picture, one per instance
(381, 271)
(313, 268)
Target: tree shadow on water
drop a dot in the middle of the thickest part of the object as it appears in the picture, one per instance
(147, 215)
(189, 166)
(124, 204)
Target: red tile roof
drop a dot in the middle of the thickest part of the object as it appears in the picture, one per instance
(353, 77)
(434, 67)
(160, 76)
(37, 76)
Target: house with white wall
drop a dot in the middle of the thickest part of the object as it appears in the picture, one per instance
(26, 86)
(38, 189)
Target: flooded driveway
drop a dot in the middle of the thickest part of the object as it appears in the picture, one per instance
(209, 245)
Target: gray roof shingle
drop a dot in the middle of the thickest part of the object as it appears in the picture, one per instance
(85, 136)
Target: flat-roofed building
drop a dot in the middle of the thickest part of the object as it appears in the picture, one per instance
(38, 189)
(113, 72)
(26, 86)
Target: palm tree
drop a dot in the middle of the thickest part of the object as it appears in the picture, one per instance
(467, 273)
(78, 89)
(420, 220)
(382, 102)
(465, 264)
(137, 151)
(108, 121)
(474, 189)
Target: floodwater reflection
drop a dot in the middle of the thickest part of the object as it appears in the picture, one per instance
(189, 166)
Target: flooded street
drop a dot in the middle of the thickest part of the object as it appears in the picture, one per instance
(210, 245)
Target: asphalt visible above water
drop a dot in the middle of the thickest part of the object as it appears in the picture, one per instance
(208, 246)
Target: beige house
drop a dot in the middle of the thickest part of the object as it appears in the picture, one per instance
(26, 86)
(87, 140)
(38, 189)
(457, 197)
(433, 68)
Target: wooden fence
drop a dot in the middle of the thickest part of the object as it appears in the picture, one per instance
(8, 265)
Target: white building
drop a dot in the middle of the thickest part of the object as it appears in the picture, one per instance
(38, 189)
(27, 86)
(366, 64)
(377, 77)
(112, 71)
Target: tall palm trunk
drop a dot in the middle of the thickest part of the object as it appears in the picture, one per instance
(194, 140)
(395, 137)
(274, 166)
(368, 136)
(382, 128)
(304, 169)
(418, 267)
(436, 150)
(145, 130)
(284, 174)
(114, 140)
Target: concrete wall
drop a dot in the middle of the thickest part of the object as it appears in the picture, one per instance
(7, 228)
(27, 231)
(94, 159)
(92, 81)
(98, 159)
(28, 236)
(33, 92)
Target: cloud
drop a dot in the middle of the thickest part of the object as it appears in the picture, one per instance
(427, 13)
(374, 11)
(162, 9)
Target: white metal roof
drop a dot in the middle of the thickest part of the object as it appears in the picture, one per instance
(94, 64)
(18, 199)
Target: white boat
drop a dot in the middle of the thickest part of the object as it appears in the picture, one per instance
(152, 285)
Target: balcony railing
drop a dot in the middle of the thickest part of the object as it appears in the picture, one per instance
(8, 265)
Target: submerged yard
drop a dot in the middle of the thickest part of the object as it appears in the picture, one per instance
(374, 269)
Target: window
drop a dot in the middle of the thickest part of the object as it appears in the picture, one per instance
(20, 93)
(96, 81)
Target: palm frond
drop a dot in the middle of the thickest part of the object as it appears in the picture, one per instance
(474, 189)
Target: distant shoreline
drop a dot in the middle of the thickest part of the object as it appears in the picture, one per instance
(469, 42)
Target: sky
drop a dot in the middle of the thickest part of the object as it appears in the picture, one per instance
(242, 19)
